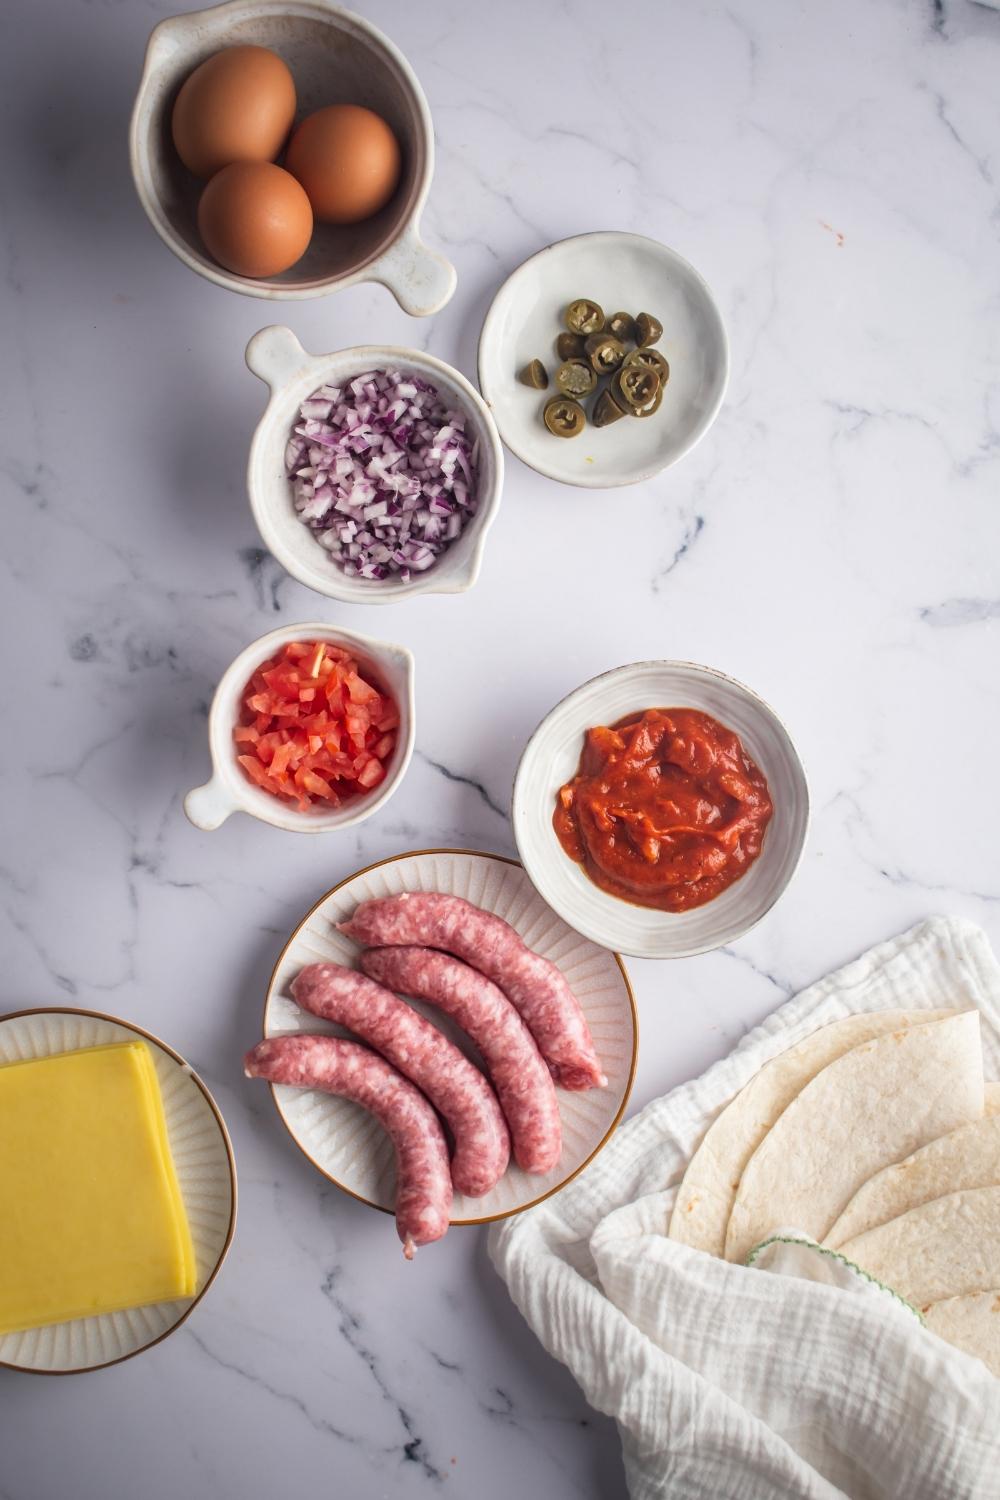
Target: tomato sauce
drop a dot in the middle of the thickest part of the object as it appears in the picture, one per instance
(666, 810)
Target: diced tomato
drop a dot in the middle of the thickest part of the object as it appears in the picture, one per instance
(371, 774)
(253, 768)
(283, 756)
(357, 722)
(360, 691)
(335, 684)
(314, 732)
(284, 681)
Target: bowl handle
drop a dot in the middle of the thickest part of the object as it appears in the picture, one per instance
(168, 37)
(165, 40)
(420, 280)
(275, 355)
(209, 806)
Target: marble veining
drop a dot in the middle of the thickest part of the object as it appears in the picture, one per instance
(833, 173)
(458, 779)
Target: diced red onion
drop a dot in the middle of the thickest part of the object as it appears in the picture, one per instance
(383, 473)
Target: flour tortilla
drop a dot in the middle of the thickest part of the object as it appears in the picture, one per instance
(871, 1107)
(949, 1247)
(991, 1099)
(968, 1157)
(970, 1323)
(705, 1197)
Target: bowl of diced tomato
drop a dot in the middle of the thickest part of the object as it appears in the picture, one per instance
(311, 729)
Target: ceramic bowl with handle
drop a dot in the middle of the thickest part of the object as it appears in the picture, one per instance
(335, 58)
(388, 666)
(276, 356)
(552, 757)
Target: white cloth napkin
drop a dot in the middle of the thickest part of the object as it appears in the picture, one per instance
(730, 1383)
(790, 1252)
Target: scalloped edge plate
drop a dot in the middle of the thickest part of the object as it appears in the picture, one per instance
(346, 1143)
(206, 1171)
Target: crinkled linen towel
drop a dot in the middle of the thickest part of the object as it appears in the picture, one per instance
(731, 1383)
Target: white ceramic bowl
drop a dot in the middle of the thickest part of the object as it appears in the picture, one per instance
(276, 356)
(624, 272)
(206, 1175)
(552, 757)
(229, 790)
(346, 1143)
(335, 57)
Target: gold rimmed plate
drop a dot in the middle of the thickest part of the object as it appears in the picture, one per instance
(206, 1174)
(346, 1143)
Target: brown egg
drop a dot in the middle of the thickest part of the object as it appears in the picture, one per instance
(348, 161)
(255, 218)
(238, 105)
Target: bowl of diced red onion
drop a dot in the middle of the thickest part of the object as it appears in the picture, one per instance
(374, 473)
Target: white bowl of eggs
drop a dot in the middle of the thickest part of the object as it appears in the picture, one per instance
(224, 92)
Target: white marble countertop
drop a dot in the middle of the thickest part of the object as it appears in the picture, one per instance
(833, 172)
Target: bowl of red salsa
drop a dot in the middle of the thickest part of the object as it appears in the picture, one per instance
(661, 809)
(311, 729)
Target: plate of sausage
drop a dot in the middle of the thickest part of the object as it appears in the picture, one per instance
(441, 1045)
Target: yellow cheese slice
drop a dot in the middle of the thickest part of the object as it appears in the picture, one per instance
(91, 1214)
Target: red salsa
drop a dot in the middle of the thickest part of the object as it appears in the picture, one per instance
(666, 810)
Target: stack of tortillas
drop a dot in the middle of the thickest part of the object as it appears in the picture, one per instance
(877, 1138)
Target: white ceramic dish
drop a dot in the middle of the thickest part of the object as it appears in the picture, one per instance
(229, 790)
(552, 757)
(335, 57)
(206, 1172)
(621, 272)
(276, 357)
(344, 1142)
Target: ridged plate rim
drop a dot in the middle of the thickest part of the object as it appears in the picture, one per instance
(175, 1057)
(499, 859)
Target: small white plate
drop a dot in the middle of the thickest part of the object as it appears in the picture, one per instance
(346, 1143)
(552, 757)
(206, 1173)
(622, 272)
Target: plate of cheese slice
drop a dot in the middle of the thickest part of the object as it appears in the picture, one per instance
(119, 1189)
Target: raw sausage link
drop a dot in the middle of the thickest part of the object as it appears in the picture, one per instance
(520, 1077)
(416, 1047)
(532, 984)
(423, 1178)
